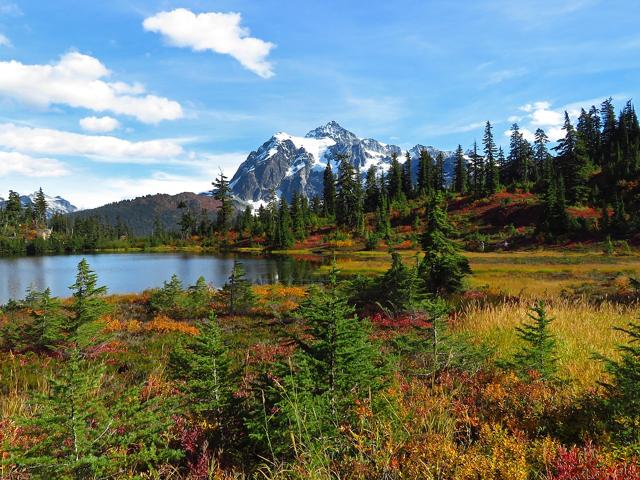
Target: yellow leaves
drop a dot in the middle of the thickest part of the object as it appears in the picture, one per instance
(159, 324)
(277, 299)
(164, 324)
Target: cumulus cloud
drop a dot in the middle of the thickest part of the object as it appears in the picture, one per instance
(78, 80)
(542, 115)
(14, 163)
(4, 41)
(218, 32)
(99, 124)
(108, 148)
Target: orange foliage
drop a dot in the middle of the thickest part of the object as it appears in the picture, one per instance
(164, 324)
(277, 299)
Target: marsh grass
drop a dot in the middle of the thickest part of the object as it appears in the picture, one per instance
(582, 329)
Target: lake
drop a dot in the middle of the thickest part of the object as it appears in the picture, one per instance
(134, 272)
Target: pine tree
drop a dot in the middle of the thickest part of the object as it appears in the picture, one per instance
(40, 207)
(47, 328)
(538, 354)
(201, 364)
(348, 198)
(237, 290)
(443, 268)
(394, 179)
(543, 164)
(575, 165)
(477, 172)
(460, 172)
(492, 173)
(407, 173)
(329, 195)
(425, 173)
(82, 432)
(284, 237)
(297, 216)
(222, 193)
(371, 190)
(335, 365)
(438, 177)
(623, 400)
(88, 304)
(398, 287)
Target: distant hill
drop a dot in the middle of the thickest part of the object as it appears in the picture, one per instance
(141, 213)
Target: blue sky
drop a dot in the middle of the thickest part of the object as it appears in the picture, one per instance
(101, 101)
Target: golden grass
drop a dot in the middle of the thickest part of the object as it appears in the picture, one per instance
(582, 330)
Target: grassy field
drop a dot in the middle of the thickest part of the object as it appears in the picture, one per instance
(532, 274)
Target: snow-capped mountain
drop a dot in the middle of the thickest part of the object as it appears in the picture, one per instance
(286, 163)
(54, 204)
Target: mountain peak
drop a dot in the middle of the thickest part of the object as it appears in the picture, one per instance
(332, 130)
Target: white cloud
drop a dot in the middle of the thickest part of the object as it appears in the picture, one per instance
(10, 9)
(108, 148)
(99, 124)
(218, 32)
(4, 41)
(77, 80)
(14, 163)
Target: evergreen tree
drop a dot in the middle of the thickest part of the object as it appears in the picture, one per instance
(201, 364)
(538, 353)
(284, 231)
(443, 268)
(335, 365)
(88, 304)
(297, 216)
(329, 195)
(502, 166)
(348, 197)
(543, 164)
(222, 193)
(438, 177)
(371, 190)
(394, 179)
(575, 165)
(82, 432)
(460, 172)
(40, 207)
(398, 287)
(492, 173)
(407, 181)
(623, 401)
(425, 173)
(237, 290)
(47, 329)
(477, 172)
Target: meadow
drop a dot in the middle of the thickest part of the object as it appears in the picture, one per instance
(467, 415)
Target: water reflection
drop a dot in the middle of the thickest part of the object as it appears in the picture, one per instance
(126, 273)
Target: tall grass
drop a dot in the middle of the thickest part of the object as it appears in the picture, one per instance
(582, 329)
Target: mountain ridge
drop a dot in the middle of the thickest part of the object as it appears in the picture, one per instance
(286, 163)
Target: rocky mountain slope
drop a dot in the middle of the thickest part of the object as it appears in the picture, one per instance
(286, 163)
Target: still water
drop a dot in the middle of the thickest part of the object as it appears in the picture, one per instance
(129, 273)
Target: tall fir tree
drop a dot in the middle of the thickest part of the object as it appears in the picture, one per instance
(460, 172)
(329, 191)
(425, 173)
(40, 207)
(443, 268)
(222, 193)
(492, 173)
(407, 174)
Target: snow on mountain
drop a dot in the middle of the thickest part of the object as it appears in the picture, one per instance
(285, 163)
(54, 204)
